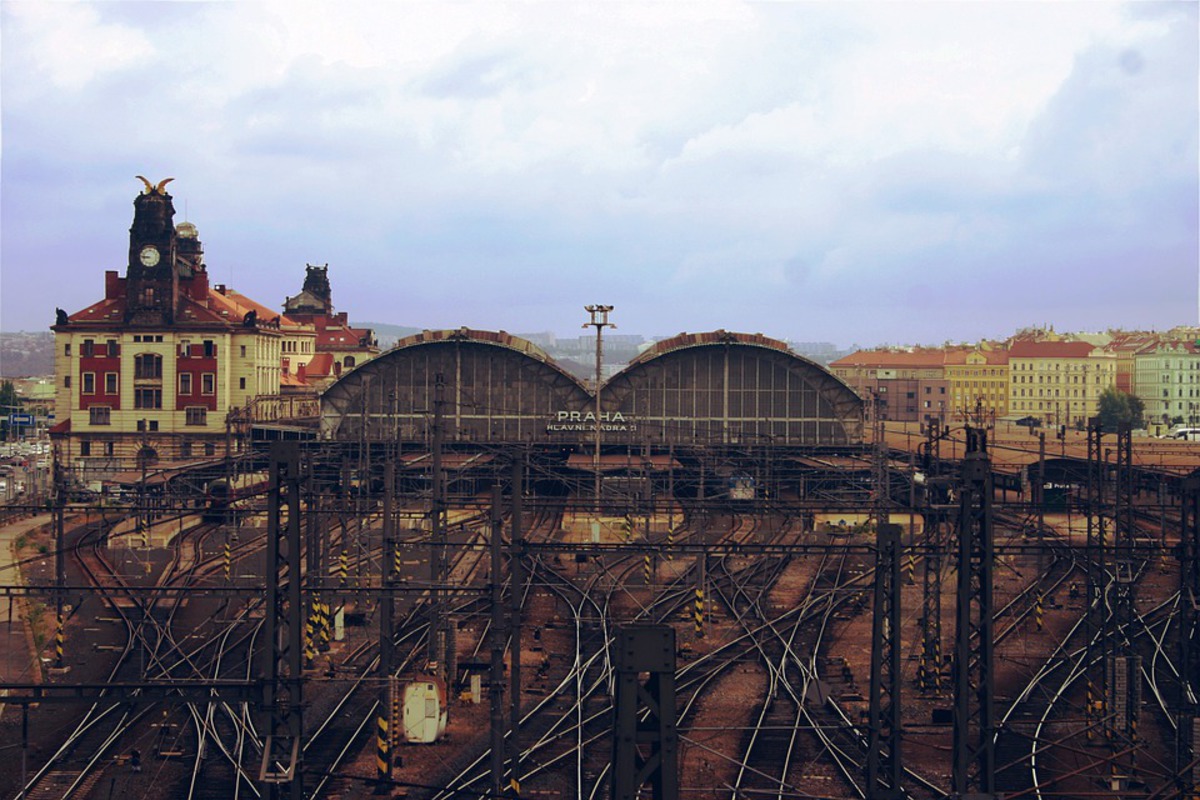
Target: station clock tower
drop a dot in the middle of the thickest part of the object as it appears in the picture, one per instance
(152, 276)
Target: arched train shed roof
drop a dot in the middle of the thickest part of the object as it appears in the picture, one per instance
(708, 388)
(734, 388)
(496, 387)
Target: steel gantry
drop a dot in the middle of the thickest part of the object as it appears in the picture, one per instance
(1187, 715)
(884, 765)
(645, 740)
(283, 678)
(929, 666)
(974, 773)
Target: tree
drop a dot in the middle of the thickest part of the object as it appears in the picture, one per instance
(10, 403)
(1117, 407)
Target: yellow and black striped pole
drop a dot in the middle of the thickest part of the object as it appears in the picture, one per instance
(670, 543)
(310, 637)
(1038, 611)
(910, 568)
(343, 568)
(699, 612)
(60, 638)
(646, 568)
(383, 746)
(937, 663)
(228, 559)
(327, 630)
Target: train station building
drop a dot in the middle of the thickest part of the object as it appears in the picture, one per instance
(167, 366)
(707, 408)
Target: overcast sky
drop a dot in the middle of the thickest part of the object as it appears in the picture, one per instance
(849, 172)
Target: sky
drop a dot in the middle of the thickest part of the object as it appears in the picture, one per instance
(849, 172)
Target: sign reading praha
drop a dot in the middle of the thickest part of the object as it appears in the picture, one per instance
(614, 421)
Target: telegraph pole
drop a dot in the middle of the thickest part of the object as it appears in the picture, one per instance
(599, 321)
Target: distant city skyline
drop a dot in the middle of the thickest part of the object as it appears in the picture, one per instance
(844, 172)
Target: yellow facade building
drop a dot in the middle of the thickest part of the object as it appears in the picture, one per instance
(167, 367)
(1059, 383)
(978, 382)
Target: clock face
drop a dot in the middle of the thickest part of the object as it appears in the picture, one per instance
(149, 255)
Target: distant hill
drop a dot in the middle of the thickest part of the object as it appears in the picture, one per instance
(25, 354)
(387, 334)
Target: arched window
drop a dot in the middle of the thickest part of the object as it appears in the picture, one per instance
(147, 456)
(348, 361)
(147, 366)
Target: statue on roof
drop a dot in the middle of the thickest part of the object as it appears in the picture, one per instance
(154, 188)
(316, 281)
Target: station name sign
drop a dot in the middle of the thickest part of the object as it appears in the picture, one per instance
(610, 421)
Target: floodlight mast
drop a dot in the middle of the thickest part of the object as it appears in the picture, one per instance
(599, 321)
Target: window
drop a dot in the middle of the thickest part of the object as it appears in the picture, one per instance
(147, 398)
(67, 381)
(67, 349)
(197, 415)
(88, 349)
(112, 383)
(210, 449)
(99, 415)
(208, 383)
(185, 383)
(89, 383)
(243, 351)
(147, 425)
(241, 383)
(348, 361)
(85, 448)
(185, 449)
(210, 350)
(185, 349)
(109, 449)
(114, 348)
(147, 366)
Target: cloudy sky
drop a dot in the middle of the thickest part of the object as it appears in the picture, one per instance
(849, 172)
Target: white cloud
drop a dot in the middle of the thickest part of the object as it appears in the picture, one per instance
(724, 147)
(69, 44)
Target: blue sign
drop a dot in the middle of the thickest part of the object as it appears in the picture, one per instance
(20, 419)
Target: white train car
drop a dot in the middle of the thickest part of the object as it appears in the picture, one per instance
(424, 710)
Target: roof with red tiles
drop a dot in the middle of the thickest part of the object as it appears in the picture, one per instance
(1176, 345)
(922, 357)
(991, 357)
(218, 306)
(1028, 349)
(321, 366)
